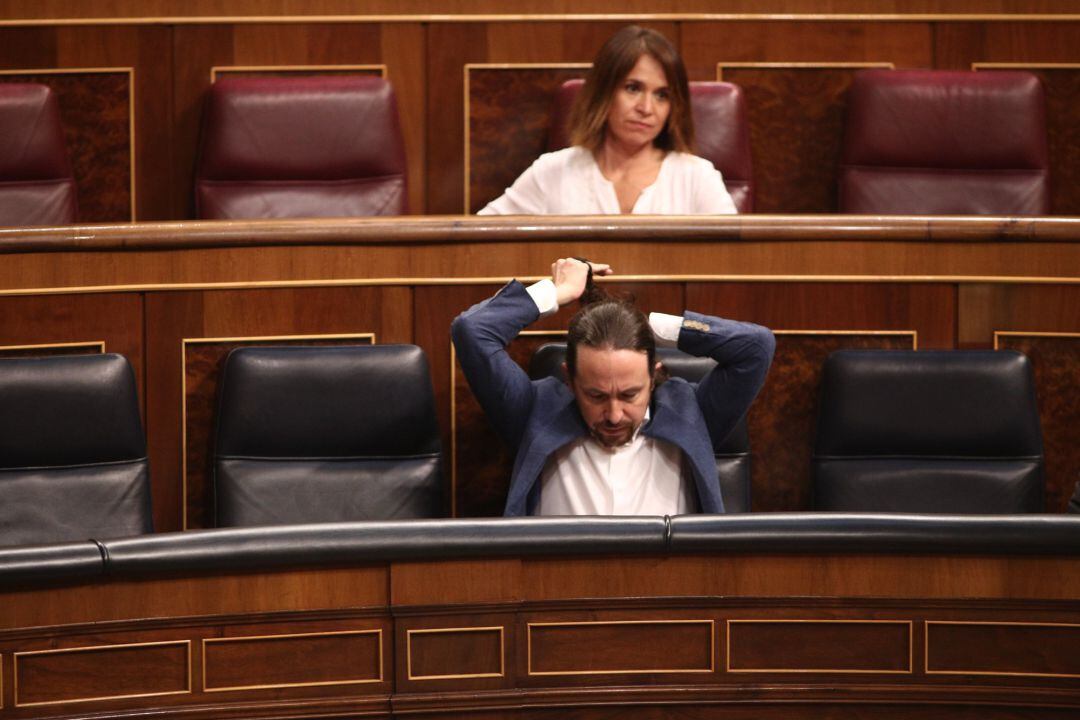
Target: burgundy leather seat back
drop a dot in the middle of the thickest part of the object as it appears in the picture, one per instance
(931, 142)
(300, 147)
(723, 136)
(37, 186)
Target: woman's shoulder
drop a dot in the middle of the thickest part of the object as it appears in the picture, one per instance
(567, 157)
(689, 162)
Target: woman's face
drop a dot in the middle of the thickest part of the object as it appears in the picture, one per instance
(641, 105)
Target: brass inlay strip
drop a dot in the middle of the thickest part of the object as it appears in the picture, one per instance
(232, 688)
(99, 344)
(131, 107)
(1023, 66)
(1001, 334)
(448, 282)
(911, 647)
(913, 334)
(434, 631)
(712, 647)
(453, 408)
(926, 648)
(799, 66)
(226, 69)
(502, 280)
(255, 339)
(498, 66)
(450, 18)
(28, 653)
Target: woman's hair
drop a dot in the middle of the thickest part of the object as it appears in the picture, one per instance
(605, 321)
(589, 114)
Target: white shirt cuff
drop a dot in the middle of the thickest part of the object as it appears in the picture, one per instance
(543, 294)
(666, 328)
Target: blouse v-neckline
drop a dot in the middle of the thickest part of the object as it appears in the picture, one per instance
(613, 196)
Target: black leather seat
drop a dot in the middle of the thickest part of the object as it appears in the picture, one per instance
(937, 432)
(326, 434)
(72, 452)
(732, 457)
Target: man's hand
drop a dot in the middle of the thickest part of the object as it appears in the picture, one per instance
(570, 275)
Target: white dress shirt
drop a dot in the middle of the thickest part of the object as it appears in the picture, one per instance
(569, 182)
(643, 477)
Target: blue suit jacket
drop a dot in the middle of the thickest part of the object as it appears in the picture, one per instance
(536, 418)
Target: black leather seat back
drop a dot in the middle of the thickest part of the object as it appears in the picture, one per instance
(72, 451)
(949, 432)
(326, 434)
(732, 458)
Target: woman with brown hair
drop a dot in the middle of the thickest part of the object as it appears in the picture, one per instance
(632, 133)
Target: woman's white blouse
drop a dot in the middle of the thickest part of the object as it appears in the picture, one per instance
(569, 182)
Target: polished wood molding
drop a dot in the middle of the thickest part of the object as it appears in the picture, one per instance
(449, 229)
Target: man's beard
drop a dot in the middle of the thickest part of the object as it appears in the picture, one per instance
(619, 435)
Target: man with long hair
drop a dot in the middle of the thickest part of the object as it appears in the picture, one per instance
(615, 438)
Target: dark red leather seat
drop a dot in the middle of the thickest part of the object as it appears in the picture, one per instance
(300, 147)
(723, 136)
(931, 142)
(37, 186)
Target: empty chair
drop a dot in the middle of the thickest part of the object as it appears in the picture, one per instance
(37, 186)
(939, 432)
(72, 452)
(723, 135)
(300, 147)
(932, 142)
(732, 457)
(326, 434)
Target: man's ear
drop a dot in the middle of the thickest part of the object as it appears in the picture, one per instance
(566, 374)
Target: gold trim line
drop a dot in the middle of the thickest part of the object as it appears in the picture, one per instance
(712, 647)
(436, 631)
(321, 683)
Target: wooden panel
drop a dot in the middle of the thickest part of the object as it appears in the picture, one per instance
(482, 463)
(1063, 137)
(455, 581)
(1056, 361)
(173, 317)
(95, 110)
(1043, 650)
(455, 653)
(984, 308)
(822, 576)
(449, 48)
(347, 657)
(114, 319)
(204, 359)
(706, 43)
(401, 46)
(102, 672)
(796, 118)
(819, 646)
(140, 48)
(509, 112)
(621, 646)
(255, 593)
(443, 13)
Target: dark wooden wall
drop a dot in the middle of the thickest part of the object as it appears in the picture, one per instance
(174, 298)
(473, 86)
(711, 636)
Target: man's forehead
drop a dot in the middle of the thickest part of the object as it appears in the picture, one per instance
(605, 366)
